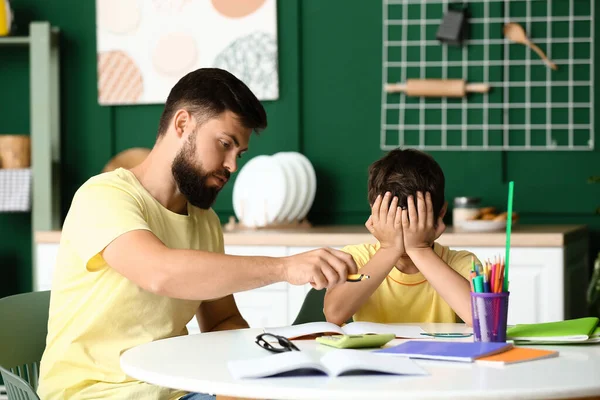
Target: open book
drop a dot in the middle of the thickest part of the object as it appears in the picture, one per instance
(312, 329)
(573, 331)
(334, 363)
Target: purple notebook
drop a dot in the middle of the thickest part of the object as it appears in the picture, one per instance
(451, 351)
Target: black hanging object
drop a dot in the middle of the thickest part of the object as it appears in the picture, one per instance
(454, 27)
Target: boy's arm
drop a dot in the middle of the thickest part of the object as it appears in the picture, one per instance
(452, 286)
(343, 301)
(419, 234)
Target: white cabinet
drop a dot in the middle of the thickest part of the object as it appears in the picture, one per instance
(547, 282)
(45, 258)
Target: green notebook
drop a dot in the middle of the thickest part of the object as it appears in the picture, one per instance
(571, 331)
(595, 336)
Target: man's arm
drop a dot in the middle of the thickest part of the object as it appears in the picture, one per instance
(343, 301)
(419, 234)
(142, 258)
(220, 315)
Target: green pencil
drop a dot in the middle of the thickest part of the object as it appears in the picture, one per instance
(511, 186)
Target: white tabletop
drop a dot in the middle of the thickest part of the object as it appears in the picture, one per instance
(198, 363)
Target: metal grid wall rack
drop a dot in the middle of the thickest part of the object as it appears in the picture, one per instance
(529, 106)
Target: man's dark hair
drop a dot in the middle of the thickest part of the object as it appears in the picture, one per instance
(206, 93)
(404, 173)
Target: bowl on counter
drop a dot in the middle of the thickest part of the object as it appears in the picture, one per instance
(479, 225)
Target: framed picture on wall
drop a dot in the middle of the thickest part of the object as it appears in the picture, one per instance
(145, 46)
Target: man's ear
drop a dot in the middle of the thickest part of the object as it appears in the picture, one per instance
(444, 210)
(181, 121)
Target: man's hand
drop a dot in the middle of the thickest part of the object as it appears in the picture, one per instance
(418, 223)
(322, 268)
(385, 223)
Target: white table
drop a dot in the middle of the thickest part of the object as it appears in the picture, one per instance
(198, 363)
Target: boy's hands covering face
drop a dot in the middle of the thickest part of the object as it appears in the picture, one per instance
(418, 223)
(404, 230)
(385, 222)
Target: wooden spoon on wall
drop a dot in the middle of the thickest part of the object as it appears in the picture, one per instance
(516, 33)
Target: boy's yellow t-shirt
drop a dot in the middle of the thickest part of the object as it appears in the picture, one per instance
(408, 297)
(95, 312)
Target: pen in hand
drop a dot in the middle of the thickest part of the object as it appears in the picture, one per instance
(357, 277)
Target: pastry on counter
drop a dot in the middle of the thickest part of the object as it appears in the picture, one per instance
(491, 214)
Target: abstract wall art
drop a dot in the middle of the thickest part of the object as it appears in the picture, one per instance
(145, 46)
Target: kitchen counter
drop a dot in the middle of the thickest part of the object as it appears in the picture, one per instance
(522, 236)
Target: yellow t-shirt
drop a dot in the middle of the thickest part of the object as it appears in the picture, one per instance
(408, 297)
(95, 312)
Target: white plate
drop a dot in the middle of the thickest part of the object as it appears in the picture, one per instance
(290, 186)
(259, 192)
(240, 191)
(301, 183)
(311, 189)
(482, 226)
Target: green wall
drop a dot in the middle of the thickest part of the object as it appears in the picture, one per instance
(330, 78)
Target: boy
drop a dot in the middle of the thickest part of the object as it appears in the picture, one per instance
(412, 278)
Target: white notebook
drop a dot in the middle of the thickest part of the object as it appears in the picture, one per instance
(353, 328)
(334, 363)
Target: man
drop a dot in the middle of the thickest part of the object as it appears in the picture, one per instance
(141, 250)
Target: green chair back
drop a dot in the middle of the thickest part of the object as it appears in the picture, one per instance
(22, 342)
(312, 308)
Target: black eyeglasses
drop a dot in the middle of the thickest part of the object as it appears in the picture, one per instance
(284, 343)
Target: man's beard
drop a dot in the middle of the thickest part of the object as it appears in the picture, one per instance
(191, 180)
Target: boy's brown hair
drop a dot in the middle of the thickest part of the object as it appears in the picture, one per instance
(404, 173)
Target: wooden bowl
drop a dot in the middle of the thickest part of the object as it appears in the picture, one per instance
(127, 159)
(15, 151)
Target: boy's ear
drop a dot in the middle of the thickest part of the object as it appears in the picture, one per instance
(444, 210)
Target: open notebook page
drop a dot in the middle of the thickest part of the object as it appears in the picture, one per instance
(309, 328)
(353, 328)
(401, 331)
(356, 361)
(334, 363)
(273, 364)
